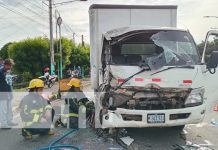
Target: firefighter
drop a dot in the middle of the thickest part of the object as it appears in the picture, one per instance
(35, 113)
(76, 100)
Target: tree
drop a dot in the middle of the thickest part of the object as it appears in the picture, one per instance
(81, 57)
(211, 46)
(4, 51)
(67, 46)
(201, 47)
(30, 55)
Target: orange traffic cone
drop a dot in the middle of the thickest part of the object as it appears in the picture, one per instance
(216, 108)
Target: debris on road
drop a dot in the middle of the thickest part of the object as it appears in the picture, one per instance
(127, 140)
(121, 137)
(111, 148)
(191, 146)
(214, 122)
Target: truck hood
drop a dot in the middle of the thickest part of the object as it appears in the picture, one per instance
(172, 78)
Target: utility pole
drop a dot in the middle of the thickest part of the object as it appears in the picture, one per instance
(74, 38)
(51, 39)
(83, 40)
(56, 17)
(51, 31)
(59, 21)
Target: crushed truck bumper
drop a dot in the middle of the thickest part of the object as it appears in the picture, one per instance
(172, 117)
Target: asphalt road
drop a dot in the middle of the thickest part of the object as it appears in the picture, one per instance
(203, 134)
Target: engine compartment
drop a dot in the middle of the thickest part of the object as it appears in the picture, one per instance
(145, 99)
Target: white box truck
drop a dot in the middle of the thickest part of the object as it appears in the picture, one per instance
(145, 72)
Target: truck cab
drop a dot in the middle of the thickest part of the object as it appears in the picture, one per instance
(149, 76)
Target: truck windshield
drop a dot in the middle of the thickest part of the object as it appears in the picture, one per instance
(157, 49)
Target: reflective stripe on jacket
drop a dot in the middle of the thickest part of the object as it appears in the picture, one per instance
(33, 107)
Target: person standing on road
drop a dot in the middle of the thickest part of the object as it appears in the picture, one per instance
(6, 115)
(79, 72)
(69, 73)
(1, 63)
(36, 112)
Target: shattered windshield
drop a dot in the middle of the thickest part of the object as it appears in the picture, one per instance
(157, 49)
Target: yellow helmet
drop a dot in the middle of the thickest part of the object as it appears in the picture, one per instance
(36, 83)
(74, 82)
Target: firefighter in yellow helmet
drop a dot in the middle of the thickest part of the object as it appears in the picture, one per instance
(76, 99)
(35, 111)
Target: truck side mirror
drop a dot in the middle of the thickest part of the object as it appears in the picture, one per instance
(213, 62)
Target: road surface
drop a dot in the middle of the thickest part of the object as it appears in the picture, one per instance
(204, 134)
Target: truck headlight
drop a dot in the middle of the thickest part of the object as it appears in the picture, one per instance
(195, 98)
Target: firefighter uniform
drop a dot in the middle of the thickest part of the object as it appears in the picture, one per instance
(77, 106)
(76, 100)
(33, 108)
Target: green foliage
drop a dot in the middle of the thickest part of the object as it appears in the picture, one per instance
(81, 57)
(201, 47)
(20, 85)
(4, 51)
(30, 55)
(86, 70)
(27, 76)
(67, 46)
(211, 46)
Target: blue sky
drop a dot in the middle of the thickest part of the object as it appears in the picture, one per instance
(32, 20)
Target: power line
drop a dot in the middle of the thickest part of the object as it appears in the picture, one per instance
(70, 29)
(67, 27)
(18, 17)
(36, 5)
(32, 11)
(20, 14)
(36, 2)
(6, 27)
(3, 16)
(13, 33)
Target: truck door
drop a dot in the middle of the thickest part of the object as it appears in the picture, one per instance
(210, 59)
(211, 39)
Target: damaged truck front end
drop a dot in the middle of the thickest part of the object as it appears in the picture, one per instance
(149, 78)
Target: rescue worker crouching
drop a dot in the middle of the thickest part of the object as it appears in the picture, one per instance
(35, 111)
(78, 103)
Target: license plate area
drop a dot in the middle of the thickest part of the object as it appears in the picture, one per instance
(156, 118)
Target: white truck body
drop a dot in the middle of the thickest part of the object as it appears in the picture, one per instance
(157, 92)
